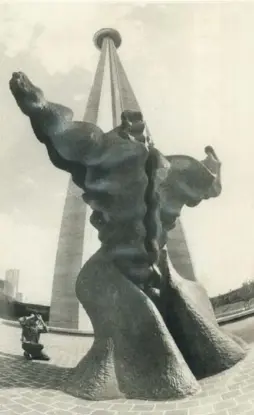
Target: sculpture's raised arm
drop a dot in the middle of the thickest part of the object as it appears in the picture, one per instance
(188, 182)
(68, 142)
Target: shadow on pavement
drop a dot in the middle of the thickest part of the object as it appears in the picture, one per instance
(17, 372)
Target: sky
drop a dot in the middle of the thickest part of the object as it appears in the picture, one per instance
(191, 66)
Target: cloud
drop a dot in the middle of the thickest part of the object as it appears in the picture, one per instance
(27, 178)
(53, 46)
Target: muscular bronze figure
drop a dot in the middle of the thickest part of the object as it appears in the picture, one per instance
(155, 332)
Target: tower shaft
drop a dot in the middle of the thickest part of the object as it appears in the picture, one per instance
(64, 309)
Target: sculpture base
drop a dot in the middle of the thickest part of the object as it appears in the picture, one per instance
(134, 355)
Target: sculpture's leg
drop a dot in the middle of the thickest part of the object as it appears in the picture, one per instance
(94, 377)
(133, 354)
(189, 316)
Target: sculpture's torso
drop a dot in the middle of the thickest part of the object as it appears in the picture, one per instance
(134, 192)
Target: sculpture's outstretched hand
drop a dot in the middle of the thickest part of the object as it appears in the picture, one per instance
(213, 164)
(68, 142)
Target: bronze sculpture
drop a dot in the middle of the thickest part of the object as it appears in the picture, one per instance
(154, 336)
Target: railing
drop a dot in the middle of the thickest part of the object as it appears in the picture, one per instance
(239, 314)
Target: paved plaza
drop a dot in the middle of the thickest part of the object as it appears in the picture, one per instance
(34, 388)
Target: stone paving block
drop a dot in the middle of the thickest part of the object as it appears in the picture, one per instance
(18, 409)
(231, 394)
(165, 406)
(131, 413)
(23, 401)
(234, 386)
(207, 381)
(202, 410)
(225, 412)
(202, 394)
(249, 381)
(63, 405)
(249, 386)
(146, 413)
(240, 378)
(85, 410)
(63, 397)
(58, 412)
(218, 391)
(66, 399)
(228, 404)
(2, 408)
(177, 412)
(245, 397)
(210, 399)
(146, 407)
(100, 405)
(28, 394)
(188, 403)
(241, 409)
(206, 388)
(121, 407)
(8, 393)
(81, 402)
(101, 412)
(4, 400)
(47, 393)
(44, 400)
(40, 407)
